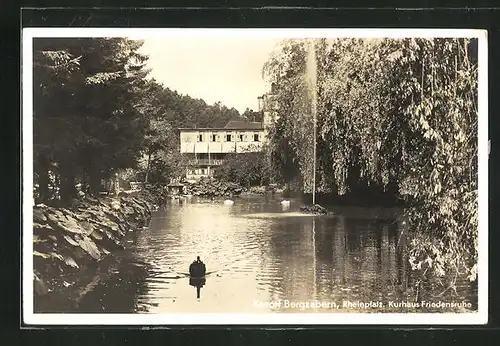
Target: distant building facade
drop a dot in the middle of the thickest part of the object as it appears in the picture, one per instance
(206, 148)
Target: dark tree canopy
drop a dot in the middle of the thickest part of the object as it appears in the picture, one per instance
(86, 120)
(96, 113)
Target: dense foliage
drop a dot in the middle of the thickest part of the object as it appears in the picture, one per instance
(246, 169)
(400, 115)
(86, 121)
(252, 115)
(96, 114)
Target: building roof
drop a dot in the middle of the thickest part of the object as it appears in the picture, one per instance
(243, 125)
(231, 125)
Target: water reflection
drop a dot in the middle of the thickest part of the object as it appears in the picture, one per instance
(198, 283)
(261, 258)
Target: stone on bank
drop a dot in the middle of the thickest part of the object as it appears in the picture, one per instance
(68, 241)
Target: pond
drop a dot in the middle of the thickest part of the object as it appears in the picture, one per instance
(264, 257)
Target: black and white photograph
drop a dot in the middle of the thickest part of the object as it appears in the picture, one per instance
(254, 176)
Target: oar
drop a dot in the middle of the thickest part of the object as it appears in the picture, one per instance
(187, 274)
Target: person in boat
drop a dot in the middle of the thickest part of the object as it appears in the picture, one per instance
(197, 268)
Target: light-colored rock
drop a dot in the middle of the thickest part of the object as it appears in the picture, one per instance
(88, 245)
(66, 239)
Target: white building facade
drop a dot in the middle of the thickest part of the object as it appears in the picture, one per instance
(206, 148)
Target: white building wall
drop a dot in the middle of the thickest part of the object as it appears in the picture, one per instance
(190, 141)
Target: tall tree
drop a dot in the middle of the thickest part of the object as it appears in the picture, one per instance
(252, 115)
(85, 108)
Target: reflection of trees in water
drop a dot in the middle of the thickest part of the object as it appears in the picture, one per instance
(290, 256)
(112, 287)
(324, 245)
(340, 250)
(349, 253)
(119, 290)
(355, 258)
(324, 241)
(369, 261)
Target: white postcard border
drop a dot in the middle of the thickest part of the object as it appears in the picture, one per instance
(31, 318)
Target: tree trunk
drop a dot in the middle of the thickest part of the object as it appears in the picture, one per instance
(43, 179)
(67, 183)
(94, 181)
(148, 167)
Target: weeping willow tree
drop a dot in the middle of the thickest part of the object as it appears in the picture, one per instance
(292, 144)
(399, 114)
(439, 158)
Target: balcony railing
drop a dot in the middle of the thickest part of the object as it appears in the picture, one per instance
(206, 162)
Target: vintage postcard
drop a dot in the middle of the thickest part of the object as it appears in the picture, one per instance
(254, 176)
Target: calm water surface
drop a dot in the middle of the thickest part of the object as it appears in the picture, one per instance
(260, 257)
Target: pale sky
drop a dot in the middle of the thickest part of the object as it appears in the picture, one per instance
(228, 70)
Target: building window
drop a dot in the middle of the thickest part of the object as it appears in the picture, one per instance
(214, 138)
(242, 138)
(228, 138)
(200, 138)
(255, 137)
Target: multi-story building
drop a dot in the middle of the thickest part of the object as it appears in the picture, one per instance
(206, 148)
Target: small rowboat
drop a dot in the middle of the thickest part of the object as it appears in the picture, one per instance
(197, 270)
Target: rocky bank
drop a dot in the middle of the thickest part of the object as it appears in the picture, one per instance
(209, 187)
(314, 209)
(66, 242)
